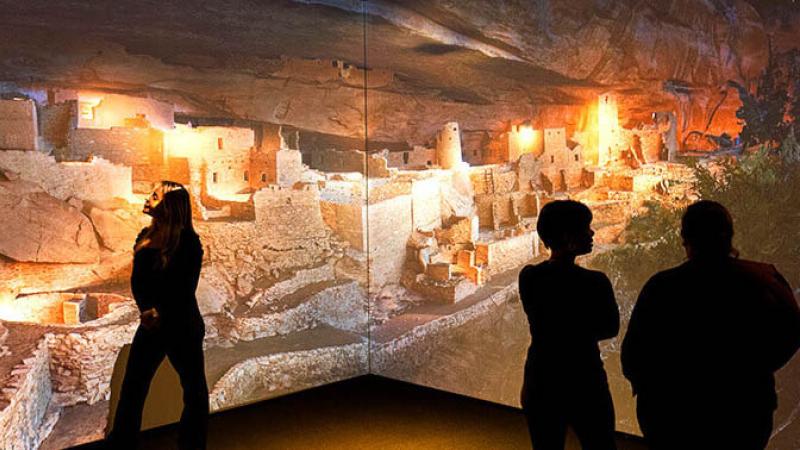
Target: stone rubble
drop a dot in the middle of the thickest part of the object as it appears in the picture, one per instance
(290, 371)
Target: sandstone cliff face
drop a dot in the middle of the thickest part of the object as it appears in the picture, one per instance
(698, 42)
(670, 55)
(479, 62)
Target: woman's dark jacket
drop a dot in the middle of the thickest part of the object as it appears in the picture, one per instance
(170, 290)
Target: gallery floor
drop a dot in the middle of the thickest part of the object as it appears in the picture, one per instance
(368, 412)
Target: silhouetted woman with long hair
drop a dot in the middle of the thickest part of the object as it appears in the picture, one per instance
(570, 309)
(166, 269)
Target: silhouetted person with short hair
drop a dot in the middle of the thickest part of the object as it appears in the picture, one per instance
(166, 269)
(704, 340)
(569, 310)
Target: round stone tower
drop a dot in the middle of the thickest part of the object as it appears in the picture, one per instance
(448, 146)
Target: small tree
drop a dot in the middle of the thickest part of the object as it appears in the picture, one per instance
(652, 243)
(763, 112)
(762, 192)
(768, 113)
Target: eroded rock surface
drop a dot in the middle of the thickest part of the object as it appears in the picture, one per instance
(482, 62)
(40, 228)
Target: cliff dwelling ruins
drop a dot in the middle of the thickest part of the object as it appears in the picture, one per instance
(356, 206)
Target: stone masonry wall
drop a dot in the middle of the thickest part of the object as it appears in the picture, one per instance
(390, 227)
(339, 161)
(82, 361)
(24, 403)
(426, 204)
(288, 167)
(302, 277)
(263, 169)
(509, 253)
(340, 305)
(343, 210)
(140, 148)
(241, 256)
(348, 221)
(421, 340)
(289, 217)
(417, 157)
(18, 128)
(97, 181)
(288, 371)
(55, 121)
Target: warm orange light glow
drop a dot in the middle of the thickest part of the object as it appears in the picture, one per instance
(523, 139)
(45, 308)
(98, 110)
(87, 106)
(183, 142)
(607, 127)
(526, 135)
(12, 312)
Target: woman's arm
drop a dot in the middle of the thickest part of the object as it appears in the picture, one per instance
(141, 281)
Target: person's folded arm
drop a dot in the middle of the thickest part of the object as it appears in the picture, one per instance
(525, 290)
(607, 317)
(141, 286)
(635, 345)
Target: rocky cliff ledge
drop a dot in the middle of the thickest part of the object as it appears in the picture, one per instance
(483, 63)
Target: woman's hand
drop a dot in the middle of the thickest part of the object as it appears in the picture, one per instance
(150, 319)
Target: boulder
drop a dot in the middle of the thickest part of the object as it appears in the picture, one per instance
(210, 299)
(118, 228)
(41, 228)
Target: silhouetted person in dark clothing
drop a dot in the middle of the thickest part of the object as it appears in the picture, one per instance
(166, 269)
(569, 310)
(704, 340)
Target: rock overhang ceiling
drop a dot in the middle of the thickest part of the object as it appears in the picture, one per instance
(482, 63)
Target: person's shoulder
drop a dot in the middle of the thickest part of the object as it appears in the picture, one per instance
(591, 273)
(595, 277)
(759, 272)
(668, 276)
(532, 273)
(754, 267)
(533, 269)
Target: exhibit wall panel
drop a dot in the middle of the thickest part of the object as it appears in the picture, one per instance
(485, 112)
(257, 109)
